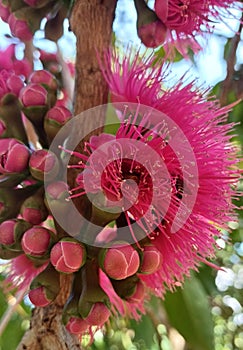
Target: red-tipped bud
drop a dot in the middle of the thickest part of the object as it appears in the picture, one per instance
(39, 297)
(152, 34)
(138, 294)
(15, 84)
(43, 162)
(34, 95)
(9, 163)
(4, 11)
(43, 77)
(45, 287)
(119, 262)
(57, 190)
(77, 325)
(55, 118)
(19, 27)
(34, 210)
(151, 30)
(68, 255)
(98, 315)
(7, 232)
(36, 241)
(151, 260)
(11, 232)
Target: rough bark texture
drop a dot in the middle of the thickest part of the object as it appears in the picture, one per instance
(91, 21)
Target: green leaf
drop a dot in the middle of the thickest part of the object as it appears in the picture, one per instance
(189, 312)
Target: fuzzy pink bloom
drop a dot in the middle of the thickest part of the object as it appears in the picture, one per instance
(185, 18)
(22, 272)
(212, 163)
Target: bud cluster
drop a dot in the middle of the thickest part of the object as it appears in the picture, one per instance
(24, 17)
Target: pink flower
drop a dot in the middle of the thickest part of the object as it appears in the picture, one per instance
(185, 18)
(176, 198)
(22, 272)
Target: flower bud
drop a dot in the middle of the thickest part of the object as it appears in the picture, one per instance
(77, 325)
(43, 162)
(34, 95)
(39, 297)
(36, 241)
(11, 232)
(45, 287)
(152, 34)
(98, 315)
(68, 255)
(44, 78)
(55, 118)
(151, 260)
(125, 288)
(9, 163)
(19, 27)
(11, 201)
(151, 30)
(33, 209)
(4, 11)
(15, 84)
(119, 261)
(138, 294)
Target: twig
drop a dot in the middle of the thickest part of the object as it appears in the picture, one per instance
(231, 60)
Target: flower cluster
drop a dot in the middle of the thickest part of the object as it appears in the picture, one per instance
(178, 21)
(158, 190)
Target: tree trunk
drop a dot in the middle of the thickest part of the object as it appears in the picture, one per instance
(91, 21)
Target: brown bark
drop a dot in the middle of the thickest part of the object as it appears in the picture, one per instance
(91, 21)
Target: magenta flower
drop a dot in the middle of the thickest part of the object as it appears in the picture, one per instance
(174, 200)
(185, 18)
